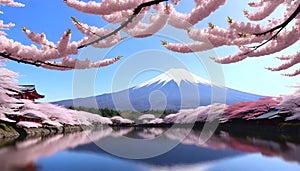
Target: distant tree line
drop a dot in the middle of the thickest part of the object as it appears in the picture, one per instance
(106, 112)
(103, 112)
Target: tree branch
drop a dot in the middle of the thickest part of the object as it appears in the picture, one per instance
(35, 63)
(284, 24)
(271, 38)
(136, 11)
(280, 27)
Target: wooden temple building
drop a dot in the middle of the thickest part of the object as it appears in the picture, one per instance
(29, 92)
(26, 92)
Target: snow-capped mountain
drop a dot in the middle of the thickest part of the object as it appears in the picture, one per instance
(177, 75)
(172, 90)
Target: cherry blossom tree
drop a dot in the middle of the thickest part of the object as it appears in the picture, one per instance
(8, 88)
(253, 40)
(50, 114)
(291, 103)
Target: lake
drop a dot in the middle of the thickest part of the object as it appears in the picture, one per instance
(146, 149)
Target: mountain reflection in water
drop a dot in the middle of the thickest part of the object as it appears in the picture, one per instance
(78, 151)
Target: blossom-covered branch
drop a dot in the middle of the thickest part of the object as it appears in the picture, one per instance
(46, 55)
(273, 37)
(82, 7)
(284, 24)
(48, 52)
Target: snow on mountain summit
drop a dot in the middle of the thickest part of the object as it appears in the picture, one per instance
(177, 75)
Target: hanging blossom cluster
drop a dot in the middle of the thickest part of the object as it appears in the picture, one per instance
(130, 14)
(253, 40)
(264, 39)
(48, 52)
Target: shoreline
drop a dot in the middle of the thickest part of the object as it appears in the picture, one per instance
(262, 128)
(11, 131)
(266, 128)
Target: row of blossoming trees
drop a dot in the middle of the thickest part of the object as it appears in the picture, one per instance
(254, 40)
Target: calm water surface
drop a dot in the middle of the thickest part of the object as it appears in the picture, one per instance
(81, 151)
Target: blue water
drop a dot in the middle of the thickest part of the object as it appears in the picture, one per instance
(87, 151)
(67, 160)
(85, 161)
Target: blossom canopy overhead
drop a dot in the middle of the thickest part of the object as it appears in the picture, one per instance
(265, 39)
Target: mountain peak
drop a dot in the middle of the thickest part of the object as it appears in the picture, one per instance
(177, 75)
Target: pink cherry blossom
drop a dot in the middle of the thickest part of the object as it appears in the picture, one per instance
(58, 54)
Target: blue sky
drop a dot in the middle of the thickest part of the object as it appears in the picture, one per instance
(53, 18)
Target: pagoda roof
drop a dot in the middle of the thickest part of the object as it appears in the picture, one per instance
(31, 89)
(26, 88)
